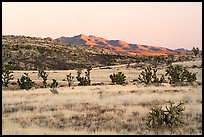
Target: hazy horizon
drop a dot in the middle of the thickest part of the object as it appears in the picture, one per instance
(162, 24)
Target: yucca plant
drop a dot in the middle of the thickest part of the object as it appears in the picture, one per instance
(171, 118)
(6, 75)
(84, 81)
(43, 75)
(149, 75)
(70, 79)
(53, 86)
(118, 78)
(25, 82)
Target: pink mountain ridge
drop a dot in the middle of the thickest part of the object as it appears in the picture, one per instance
(118, 46)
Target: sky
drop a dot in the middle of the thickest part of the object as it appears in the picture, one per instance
(163, 24)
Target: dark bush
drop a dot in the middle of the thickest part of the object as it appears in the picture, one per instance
(118, 78)
(54, 83)
(25, 82)
(179, 74)
(53, 86)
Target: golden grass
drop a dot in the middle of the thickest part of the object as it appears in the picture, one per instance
(83, 110)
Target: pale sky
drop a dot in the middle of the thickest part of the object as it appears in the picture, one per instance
(164, 24)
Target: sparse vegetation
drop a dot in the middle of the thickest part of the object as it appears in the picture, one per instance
(25, 82)
(118, 78)
(100, 108)
(149, 76)
(53, 54)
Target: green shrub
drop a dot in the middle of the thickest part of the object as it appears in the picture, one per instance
(70, 79)
(171, 118)
(43, 75)
(149, 76)
(6, 75)
(178, 73)
(25, 82)
(118, 78)
(84, 81)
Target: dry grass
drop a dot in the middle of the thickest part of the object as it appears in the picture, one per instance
(102, 109)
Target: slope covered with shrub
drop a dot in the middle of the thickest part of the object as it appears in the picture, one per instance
(31, 53)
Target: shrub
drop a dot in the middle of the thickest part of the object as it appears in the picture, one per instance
(171, 118)
(194, 66)
(158, 59)
(179, 74)
(54, 83)
(118, 78)
(70, 79)
(53, 86)
(195, 51)
(149, 76)
(41, 49)
(6, 75)
(171, 57)
(25, 82)
(84, 81)
(43, 75)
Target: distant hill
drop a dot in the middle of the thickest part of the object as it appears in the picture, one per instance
(118, 46)
(31, 53)
(182, 50)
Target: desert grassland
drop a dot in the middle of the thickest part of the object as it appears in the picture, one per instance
(98, 109)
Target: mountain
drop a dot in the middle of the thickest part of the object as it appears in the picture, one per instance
(117, 46)
(182, 50)
(31, 53)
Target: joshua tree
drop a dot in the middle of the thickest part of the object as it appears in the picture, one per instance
(6, 75)
(171, 118)
(84, 81)
(53, 86)
(70, 79)
(195, 51)
(43, 75)
(150, 76)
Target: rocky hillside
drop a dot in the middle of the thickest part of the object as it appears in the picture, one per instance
(118, 46)
(31, 53)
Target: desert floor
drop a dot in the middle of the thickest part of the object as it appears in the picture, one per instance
(101, 108)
